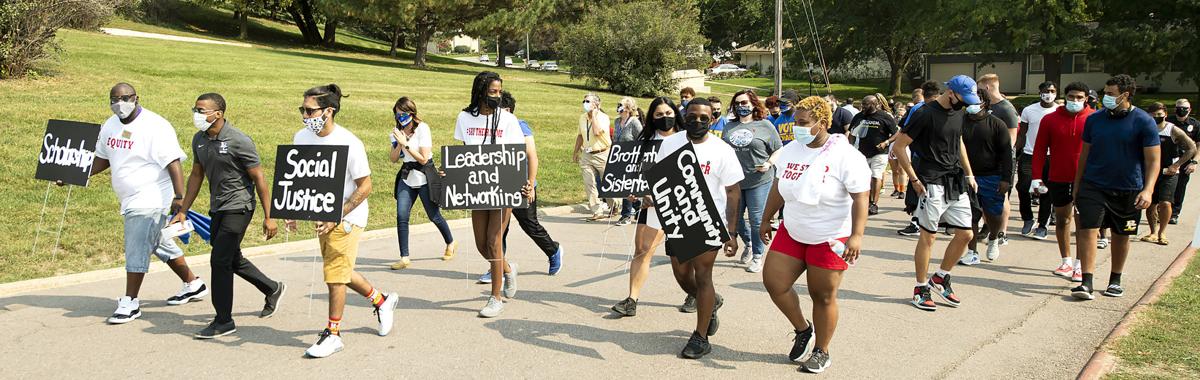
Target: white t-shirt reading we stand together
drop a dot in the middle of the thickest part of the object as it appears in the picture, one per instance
(138, 154)
(846, 172)
(717, 161)
(356, 165)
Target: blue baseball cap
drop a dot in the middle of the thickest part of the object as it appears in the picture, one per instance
(965, 87)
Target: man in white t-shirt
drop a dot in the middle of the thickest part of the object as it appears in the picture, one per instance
(1031, 121)
(144, 154)
(722, 173)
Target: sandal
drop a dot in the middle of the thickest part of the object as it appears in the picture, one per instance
(1151, 238)
(1163, 241)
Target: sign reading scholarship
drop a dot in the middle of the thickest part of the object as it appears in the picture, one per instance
(688, 214)
(309, 181)
(627, 164)
(68, 150)
(483, 177)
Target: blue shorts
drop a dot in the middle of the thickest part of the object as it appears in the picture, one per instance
(991, 200)
(143, 237)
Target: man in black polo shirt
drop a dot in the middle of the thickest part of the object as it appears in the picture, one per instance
(1182, 118)
(227, 157)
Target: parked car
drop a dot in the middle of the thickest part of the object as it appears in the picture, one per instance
(508, 61)
(726, 68)
(532, 64)
(550, 66)
(484, 58)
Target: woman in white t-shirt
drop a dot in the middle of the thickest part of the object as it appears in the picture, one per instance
(822, 229)
(412, 146)
(484, 122)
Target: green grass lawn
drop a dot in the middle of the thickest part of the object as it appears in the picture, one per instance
(1165, 342)
(263, 87)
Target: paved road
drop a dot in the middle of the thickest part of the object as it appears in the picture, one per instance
(1017, 320)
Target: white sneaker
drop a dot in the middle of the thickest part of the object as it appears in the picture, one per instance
(993, 249)
(492, 309)
(327, 344)
(191, 291)
(510, 282)
(386, 313)
(1102, 243)
(746, 255)
(756, 264)
(128, 309)
(970, 258)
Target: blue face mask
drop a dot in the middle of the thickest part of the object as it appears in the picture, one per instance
(404, 118)
(743, 110)
(1110, 102)
(803, 134)
(1074, 107)
(974, 109)
(784, 107)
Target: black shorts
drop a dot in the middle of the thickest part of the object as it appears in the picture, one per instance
(642, 215)
(1164, 189)
(1060, 193)
(1100, 208)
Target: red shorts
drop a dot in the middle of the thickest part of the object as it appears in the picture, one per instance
(817, 255)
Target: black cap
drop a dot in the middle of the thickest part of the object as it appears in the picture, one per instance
(791, 96)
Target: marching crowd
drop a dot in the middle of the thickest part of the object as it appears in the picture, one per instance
(794, 179)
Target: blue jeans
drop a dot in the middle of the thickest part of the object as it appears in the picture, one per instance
(405, 196)
(628, 207)
(752, 201)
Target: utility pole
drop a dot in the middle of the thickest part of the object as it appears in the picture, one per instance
(778, 47)
(527, 49)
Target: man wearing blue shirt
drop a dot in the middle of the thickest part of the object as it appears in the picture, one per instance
(1117, 170)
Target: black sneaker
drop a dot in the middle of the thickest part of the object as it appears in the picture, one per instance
(1082, 292)
(800, 343)
(1114, 290)
(272, 301)
(873, 209)
(627, 307)
(817, 362)
(1174, 219)
(715, 323)
(697, 347)
(910, 230)
(689, 305)
(215, 329)
(897, 194)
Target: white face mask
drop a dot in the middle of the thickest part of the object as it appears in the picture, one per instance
(803, 134)
(123, 109)
(201, 121)
(587, 107)
(1074, 107)
(1049, 97)
(315, 124)
(974, 109)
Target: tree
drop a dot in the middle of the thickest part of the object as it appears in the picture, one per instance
(28, 29)
(633, 47)
(1049, 28)
(302, 14)
(729, 22)
(1150, 38)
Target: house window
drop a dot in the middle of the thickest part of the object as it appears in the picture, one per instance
(1037, 64)
(1081, 64)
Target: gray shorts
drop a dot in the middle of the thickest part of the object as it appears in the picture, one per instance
(143, 236)
(934, 208)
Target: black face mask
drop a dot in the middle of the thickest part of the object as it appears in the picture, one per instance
(1182, 111)
(1159, 119)
(957, 104)
(664, 123)
(492, 102)
(717, 114)
(696, 128)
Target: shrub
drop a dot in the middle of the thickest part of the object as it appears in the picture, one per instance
(462, 49)
(28, 29)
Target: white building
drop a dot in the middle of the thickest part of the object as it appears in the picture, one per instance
(459, 40)
(1021, 74)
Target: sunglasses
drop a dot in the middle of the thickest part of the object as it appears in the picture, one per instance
(701, 118)
(122, 98)
(309, 111)
(203, 111)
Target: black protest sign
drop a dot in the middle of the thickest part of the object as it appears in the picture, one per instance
(686, 210)
(484, 177)
(309, 181)
(623, 175)
(68, 149)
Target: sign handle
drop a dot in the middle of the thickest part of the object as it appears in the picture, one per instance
(41, 219)
(61, 222)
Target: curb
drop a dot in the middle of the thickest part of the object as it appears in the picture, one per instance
(18, 287)
(1102, 362)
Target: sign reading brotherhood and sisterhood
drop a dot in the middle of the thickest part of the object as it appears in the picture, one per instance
(686, 210)
(484, 177)
(309, 180)
(624, 174)
(68, 149)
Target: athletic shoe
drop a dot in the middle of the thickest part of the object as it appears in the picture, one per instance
(941, 286)
(327, 344)
(910, 230)
(510, 282)
(1103, 243)
(627, 307)
(215, 329)
(756, 264)
(1077, 275)
(128, 309)
(873, 209)
(970, 258)
(492, 309)
(800, 343)
(624, 221)
(922, 300)
(1003, 239)
(1174, 219)
(697, 347)
(715, 323)
(191, 291)
(272, 301)
(993, 249)
(689, 305)
(1027, 228)
(1040, 233)
(1114, 290)
(896, 193)
(1051, 221)
(1082, 293)
(555, 262)
(386, 313)
(403, 263)
(486, 278)
(1065, 270)
(746, 255)
(817, 362)
(1035, 201)
(947, 232)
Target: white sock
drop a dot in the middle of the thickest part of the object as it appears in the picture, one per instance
(922, 284)
(1078, 264)
(943, 273)
(1066, 261)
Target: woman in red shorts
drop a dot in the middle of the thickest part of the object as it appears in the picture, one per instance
(823, 224)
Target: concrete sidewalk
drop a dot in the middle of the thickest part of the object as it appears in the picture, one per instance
(1017, 320)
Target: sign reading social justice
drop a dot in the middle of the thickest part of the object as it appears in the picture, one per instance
(68, 150)
(484, 177)
(688, 214)
(309, 180)
(624, 173)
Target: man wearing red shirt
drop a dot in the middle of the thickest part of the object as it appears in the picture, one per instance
(1062, 133)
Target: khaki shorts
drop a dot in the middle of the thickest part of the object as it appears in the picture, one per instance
(339, 249)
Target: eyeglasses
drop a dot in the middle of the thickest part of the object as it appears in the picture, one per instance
(122, 98)
(203, 111)
(309, 111)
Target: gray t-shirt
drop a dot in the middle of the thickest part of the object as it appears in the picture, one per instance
(627, 132)
(1007, 113)
(225, 159)
(753, 142)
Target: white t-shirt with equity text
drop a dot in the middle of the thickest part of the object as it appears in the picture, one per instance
(1033, 115)
(356, 165)
(846, 172)
(421, 138)
(138, 154)
(477, 130)
(717, 161)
